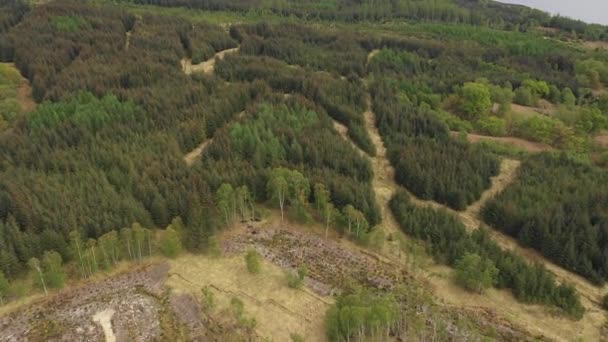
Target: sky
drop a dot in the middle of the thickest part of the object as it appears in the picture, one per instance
(593, 11)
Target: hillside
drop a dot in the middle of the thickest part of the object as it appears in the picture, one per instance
(320, 170)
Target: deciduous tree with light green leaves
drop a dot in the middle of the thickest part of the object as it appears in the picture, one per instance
(226, 200)
(52, 266)
(475, 273)
(170, 244)
(34, 265)
(475, 100)
(278, 187)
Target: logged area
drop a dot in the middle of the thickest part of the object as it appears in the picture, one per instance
(253, 170)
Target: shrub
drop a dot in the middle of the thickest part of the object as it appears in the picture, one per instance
(525, 97)
(253, 260)
(296, 280)
(475, 273)
(475, 100)
(492, 125)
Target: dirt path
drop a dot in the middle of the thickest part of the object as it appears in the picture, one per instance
(557, 328)
(207, 66)
(372, 54)
(526, 145)
(104, 318)
(24, 96)
(193, 155)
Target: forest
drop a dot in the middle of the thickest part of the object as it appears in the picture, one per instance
(481, 13)
(448, 241)
(558, 206)
(97, 172)
(105, 136)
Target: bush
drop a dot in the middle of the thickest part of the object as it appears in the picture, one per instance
(475, 273)
(170, 244)
(475, 100)
(297, 338)
(253, 260)
(492, 125)
(296, 280)
(454, 122)
(525, 97)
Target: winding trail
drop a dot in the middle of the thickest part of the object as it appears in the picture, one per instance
(557, 328)
(207, 66)
(192, 156)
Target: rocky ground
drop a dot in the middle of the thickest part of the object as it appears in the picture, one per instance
(128, 307)
(329, 264)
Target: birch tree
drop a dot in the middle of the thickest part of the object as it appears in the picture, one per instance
(277, 188)
(34, 264)
(225, 200)
(76, 243)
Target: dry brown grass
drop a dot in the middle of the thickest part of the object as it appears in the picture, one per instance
(24, 96)
(595, 45)
(278, 309)
(544, 108)
(207, 66)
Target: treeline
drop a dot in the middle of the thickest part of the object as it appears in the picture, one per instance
(557, 205)
(448, 241)
(427, 161)
(89, 256)
(488, 13)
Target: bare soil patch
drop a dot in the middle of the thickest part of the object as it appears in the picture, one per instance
(193, 155)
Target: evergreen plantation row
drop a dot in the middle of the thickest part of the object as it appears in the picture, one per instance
(105, 151)
(480, 13)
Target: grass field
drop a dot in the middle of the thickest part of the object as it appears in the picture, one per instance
(278, 309)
